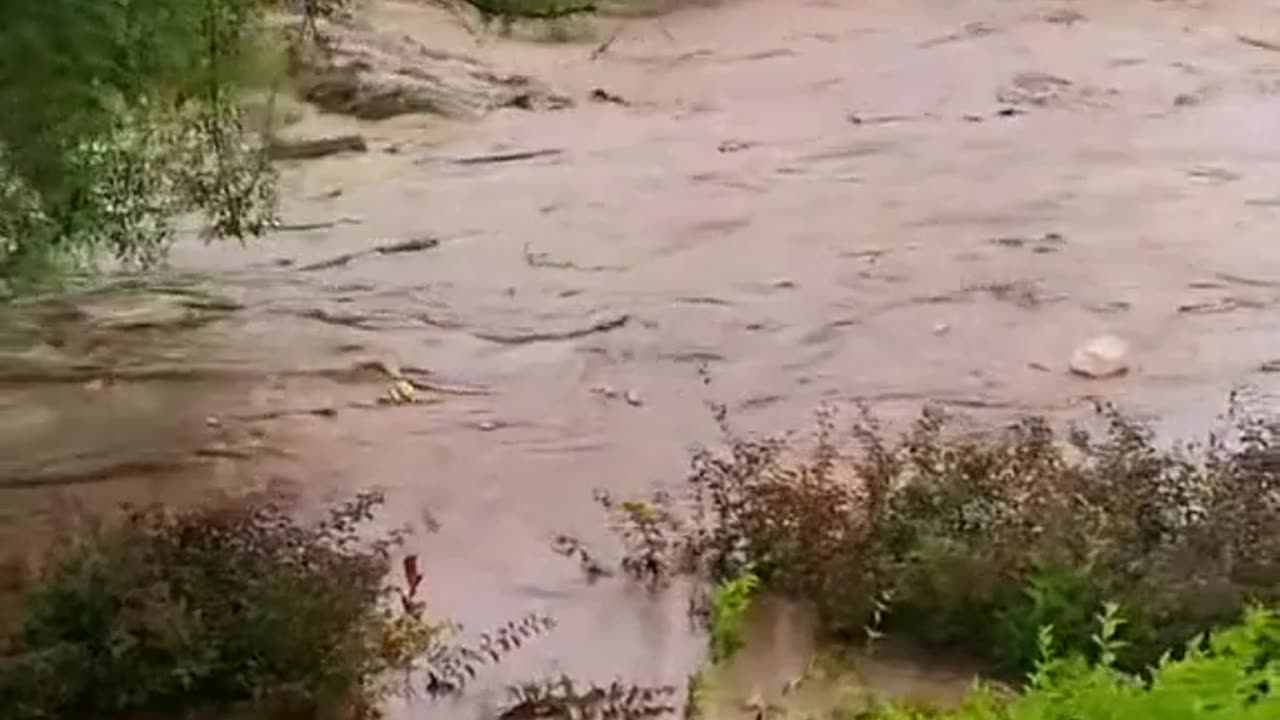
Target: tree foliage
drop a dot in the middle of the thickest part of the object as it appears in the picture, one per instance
(121, 115)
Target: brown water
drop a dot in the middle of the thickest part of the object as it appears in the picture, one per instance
(891, 201)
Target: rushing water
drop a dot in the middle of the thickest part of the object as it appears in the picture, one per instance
(883, 201)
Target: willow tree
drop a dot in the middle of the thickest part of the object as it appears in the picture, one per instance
(118, 117)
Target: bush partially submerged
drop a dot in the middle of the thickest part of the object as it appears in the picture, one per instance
(980, 541)
(235, 606)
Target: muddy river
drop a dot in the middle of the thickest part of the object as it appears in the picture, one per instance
(887, 201)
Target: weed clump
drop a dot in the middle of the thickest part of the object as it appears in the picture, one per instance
(977, 542)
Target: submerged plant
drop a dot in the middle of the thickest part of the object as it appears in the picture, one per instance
(653, 537)
(451, 667)
(565, 698)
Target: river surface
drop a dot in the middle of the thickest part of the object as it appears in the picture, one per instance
(882, 201)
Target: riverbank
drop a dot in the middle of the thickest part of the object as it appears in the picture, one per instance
(884, 202)
(861, 574)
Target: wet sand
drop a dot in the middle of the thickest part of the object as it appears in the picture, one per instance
(889, 202)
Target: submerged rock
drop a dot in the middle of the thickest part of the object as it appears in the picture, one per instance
(374, 76)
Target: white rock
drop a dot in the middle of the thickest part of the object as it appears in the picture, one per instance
(1102, 357)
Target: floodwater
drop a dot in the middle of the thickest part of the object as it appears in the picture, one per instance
(887, 201)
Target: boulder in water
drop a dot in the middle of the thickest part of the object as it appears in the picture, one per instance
(373, 76)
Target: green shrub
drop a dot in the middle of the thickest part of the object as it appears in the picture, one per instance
(980, 540)
(1053, 595)
(1233, 675)
(233, 606)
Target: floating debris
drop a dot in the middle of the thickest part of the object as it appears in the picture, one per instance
(1102, 357)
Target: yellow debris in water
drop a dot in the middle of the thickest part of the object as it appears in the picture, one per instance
(402, 392)
(640, 510)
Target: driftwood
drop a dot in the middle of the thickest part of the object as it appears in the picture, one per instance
(404, 246)
(544, 260)
(602, 324)
(1261, 43)
(1248, 281)
(317, 225)
(507, 157)
(309, 148)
